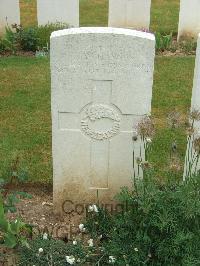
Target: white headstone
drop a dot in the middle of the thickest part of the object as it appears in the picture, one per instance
(62, 11)
(133, 14)
(189, 19)
(9, 13)
(195, 105)
(101, 87)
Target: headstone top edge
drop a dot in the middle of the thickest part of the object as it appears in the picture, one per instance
(104, 30)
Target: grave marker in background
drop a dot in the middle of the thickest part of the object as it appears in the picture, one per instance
(133, 14)
(9, 13)
(101, 88)
(53, 11)
(189, 19)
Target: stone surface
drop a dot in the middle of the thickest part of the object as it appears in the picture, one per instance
(52, 11)
(9, 13)
(195, 105)
(189, 19)
(101, 87)
(133, 14)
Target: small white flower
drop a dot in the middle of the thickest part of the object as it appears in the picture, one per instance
(90, 243)
(70, 259)
(136, 249)
(148, 140)
(74, 242)
(112, 259)
(78, 260)
(40, 250)
(95, 208)
(45, 236)
(90, 208)
(16, 221)
(81, 227)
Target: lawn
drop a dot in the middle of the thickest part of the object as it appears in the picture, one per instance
(25, 93)
(26, 120)
(164, 14)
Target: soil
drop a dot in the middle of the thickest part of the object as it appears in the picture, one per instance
(18, 53)
(176, 53)
(161, 53)
(38, 211)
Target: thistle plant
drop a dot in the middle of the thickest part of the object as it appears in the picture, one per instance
(174, 119)
(142, 140)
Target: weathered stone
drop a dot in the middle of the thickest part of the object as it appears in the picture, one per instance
(129, 13)
(101, 87)
(9, 13)
(192, 164)
(62, 11)
(189, 19)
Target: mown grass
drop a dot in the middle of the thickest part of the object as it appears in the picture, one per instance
(173, 78)
(164, 14)
(94, 13)
(25, 117)
(25, 94)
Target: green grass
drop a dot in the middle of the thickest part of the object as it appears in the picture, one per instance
(165, 16)
(173, 78)
(25, 94)
(93, 13)
(25, 117)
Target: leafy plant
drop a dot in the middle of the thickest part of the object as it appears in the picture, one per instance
(7, 42)
(12, 176)
(188, 46)
(43, 34)
(3, 47)
(9, 230)
(162, 223)
(163, 42)
(28, 39)
(161, 226)
(55, 252)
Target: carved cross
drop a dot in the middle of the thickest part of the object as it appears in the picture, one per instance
(99, 121)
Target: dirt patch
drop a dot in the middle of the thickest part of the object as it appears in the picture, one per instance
(18, 53)
(177, 53)
(38, 211)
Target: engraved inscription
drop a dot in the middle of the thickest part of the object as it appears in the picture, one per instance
(96, 113)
